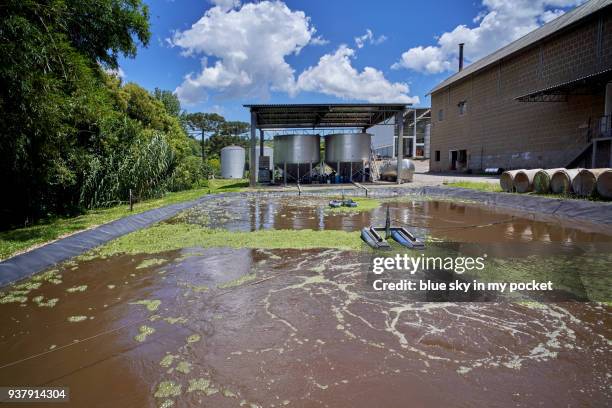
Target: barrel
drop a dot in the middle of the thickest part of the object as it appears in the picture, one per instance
(541, 180)
(561, 180)
(585, 182)
(506, 180)
(604, 184)
(523, 180)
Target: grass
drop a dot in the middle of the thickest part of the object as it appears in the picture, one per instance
(363, 204)
(476, 185)
(20, 240)
(165, 237)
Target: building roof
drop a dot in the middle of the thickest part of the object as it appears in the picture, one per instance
(527, 40)
(330, 115)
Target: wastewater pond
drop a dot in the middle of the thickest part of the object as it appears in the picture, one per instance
(269, 302)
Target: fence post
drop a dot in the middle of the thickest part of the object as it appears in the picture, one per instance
(131, 201)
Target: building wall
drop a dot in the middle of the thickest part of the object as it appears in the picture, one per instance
(498, 131)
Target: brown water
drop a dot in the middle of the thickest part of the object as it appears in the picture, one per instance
(309, 330)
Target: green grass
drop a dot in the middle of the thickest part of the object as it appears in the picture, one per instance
(21, 239)
(476, 185)
(363, 204)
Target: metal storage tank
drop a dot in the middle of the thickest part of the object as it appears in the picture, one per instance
(388, 170)
(347, 153)
(232, 162)
(268, 151)
(296, 155)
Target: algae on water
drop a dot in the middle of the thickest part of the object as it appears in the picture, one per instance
(150, 262)
(75, 289)
(167, 389)
(144, 331)
(193, 338)
(76, 319)
(238, 281)
(151, 305)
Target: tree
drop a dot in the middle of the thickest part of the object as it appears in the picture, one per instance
(53, 95)
(170, 101)
(205, 123)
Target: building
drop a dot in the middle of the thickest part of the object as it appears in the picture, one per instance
(543, 101)
(384, 136)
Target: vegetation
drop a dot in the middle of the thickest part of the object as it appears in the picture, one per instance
(73, 136)
(165, 237)
(476, 185)
(21, 239)
(363, 204)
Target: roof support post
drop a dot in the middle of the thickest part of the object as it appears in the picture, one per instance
(253, 151)
(261, 142)
(399, 121)
(414, 139)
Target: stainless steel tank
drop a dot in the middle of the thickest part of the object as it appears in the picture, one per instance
(347, 154)
(269, 152)
(388, 171)
(298, 154)
(232, 162)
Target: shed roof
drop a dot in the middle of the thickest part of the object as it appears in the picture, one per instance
(330, 115)
(527, 40)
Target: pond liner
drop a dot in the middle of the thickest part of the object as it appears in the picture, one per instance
(595, 216)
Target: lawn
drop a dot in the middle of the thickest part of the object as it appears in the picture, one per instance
(19, 240)
(476, 185)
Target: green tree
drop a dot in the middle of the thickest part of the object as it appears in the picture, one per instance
(170, 101)
(205, 124)
(53, 95)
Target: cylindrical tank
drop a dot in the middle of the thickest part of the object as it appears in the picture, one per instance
(232, 162)
(523, 180)
(506, 180)
(347, 153)
(388, 170)
(297, 153)
(541, 180)
(585, 182)
(561, 180)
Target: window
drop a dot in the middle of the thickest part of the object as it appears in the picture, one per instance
(462, 107)
(437, 155)
(441, 115)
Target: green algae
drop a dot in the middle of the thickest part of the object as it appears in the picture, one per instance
(144, 331)
(168, 360)
(76, 319)
(202, 385)
(183, 367)
(28, 286)
(151, 305)
(193, 338)
(150, 262)
(166, 237)
(229, 394)
(363, 204)
(167, 389)
(166, 404)
(40, 301)
(238, 281)
(174, 320)
(13, 298)
(75, 289)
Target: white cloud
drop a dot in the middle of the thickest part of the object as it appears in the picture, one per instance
(226, 4)
(368, 37)
(249, 44)
(243, 54)
(502, 22)
(334, 75)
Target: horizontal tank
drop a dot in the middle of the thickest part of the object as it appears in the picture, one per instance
(296, 149)
(232, 162)
(347, 154)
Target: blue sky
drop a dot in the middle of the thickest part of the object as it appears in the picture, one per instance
(309, 51)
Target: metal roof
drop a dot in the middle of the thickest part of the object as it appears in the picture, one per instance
(529, 39)
(330, 115)
(585, 85)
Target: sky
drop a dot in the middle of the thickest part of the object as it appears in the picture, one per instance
(217, 55)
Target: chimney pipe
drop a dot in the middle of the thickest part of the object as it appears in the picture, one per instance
(460, 56)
